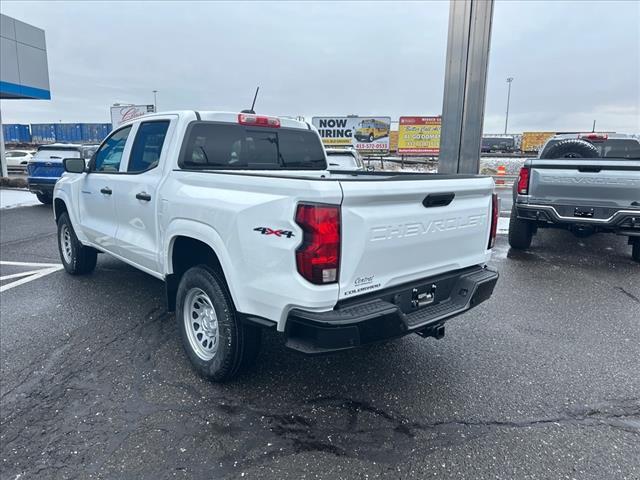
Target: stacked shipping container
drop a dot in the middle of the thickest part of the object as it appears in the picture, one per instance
(16, 133)
(40, 133)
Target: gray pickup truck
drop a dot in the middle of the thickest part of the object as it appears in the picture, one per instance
(584, 183)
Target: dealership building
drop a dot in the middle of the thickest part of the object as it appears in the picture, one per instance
(24, 72)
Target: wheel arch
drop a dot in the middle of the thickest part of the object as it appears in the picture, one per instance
(189, 244)
(59, 207)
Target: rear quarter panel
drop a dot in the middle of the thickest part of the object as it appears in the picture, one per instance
(224, 210)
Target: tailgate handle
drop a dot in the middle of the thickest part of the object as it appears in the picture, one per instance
(438, 199)
(589, 169)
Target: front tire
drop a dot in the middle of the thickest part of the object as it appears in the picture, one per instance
(77, 259)
(44, 198)
(370, 137)
(216, 342)
(520, 232)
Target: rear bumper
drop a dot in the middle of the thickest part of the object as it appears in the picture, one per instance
(41, 185)
(603, 219)
(389, 313)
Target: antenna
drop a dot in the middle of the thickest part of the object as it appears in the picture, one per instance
(593, 129)
(251, 110)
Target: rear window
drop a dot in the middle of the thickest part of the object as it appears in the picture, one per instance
(56, 153)
(231, 146)
(613, 148)
(619, 148)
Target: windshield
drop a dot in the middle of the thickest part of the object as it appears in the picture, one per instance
(232, 146)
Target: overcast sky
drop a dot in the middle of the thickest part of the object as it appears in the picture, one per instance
(573, 61)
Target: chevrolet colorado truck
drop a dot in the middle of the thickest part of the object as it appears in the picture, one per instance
(586, 184)
(241, 218)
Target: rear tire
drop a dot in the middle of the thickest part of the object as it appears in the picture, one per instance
(77, 259)
(217, 343)
(635, 249)
(520, 232)
(44, 198)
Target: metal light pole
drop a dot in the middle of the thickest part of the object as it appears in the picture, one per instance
(506, 120)
(465, 82)
(155, 100)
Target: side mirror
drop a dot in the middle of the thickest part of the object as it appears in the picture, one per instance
(371, 168)
(74, 165)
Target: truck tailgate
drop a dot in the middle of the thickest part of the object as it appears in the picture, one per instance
(588, 183)
(395, 232)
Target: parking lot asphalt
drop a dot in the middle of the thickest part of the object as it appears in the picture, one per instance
(539, 382)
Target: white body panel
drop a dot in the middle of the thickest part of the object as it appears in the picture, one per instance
(397, 240)
(222, 209)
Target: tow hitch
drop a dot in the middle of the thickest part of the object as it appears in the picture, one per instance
(437, 332)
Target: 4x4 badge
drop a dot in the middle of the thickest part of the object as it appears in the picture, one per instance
(277, 233)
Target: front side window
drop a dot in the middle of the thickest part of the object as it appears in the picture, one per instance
(147, 147)
(232, 146)
(109, 155)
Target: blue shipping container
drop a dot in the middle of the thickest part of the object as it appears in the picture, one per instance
(16, 133)
(68, 132)
(95, 132)
(43, 132)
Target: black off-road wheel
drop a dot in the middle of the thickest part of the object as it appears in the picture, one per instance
(217, 343)
(571, 148)
(77, 259)
(520, 232)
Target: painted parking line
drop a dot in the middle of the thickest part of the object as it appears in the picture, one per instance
(40, 271)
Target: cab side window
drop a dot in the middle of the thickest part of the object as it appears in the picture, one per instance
(147, 147)
(109, 155)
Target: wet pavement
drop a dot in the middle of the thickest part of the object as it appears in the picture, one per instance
(539, 382)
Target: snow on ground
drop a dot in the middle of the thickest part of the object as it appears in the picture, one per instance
(10, 198)
(488, 165)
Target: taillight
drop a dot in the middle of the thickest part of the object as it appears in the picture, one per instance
(318, 258)
(495, 215)
(258, 120)
(523, 181)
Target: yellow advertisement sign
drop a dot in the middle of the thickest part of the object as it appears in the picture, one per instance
(366, 134)
(419, 135)
(533, 141)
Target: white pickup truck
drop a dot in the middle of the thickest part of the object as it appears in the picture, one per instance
(241, 218)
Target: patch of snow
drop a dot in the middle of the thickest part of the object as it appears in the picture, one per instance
(17, 198)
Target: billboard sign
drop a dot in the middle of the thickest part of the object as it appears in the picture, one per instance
(533, 141)
(366, 134)
(419, 135)
(124, 113)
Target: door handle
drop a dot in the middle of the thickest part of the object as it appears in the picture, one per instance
(438, 199)
(106, 191)
(143, 196)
